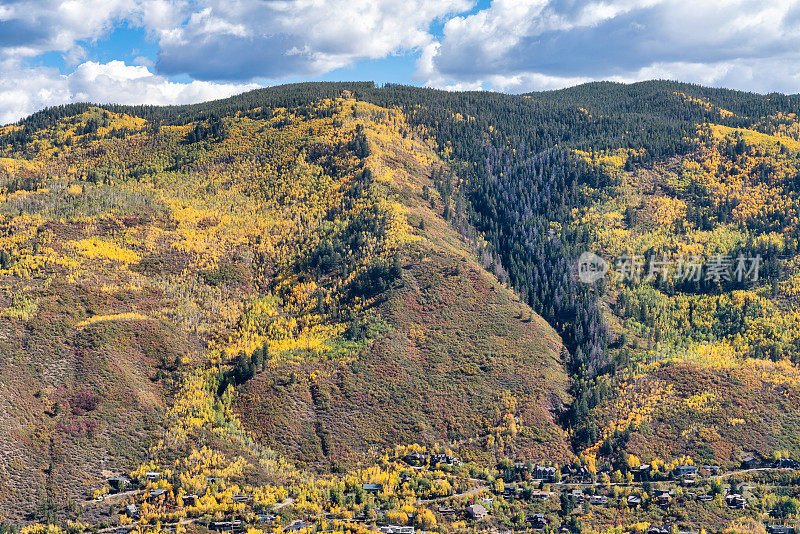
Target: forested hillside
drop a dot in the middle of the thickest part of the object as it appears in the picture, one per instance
(325, 283)
(297, 278)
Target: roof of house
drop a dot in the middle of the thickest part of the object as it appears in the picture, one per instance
(476, 509)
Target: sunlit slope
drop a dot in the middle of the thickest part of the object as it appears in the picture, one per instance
(450, 354)
(713, 362)
(278, 245)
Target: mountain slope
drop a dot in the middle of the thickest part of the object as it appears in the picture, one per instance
(454, 352)
(325, 267)
(297, 258)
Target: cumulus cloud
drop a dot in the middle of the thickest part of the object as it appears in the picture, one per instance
(23, 91)
(209, 40)
(240, 40)
(545, 43)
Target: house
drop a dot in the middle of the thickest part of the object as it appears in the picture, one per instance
(537, 521)
(786, 463)
(476, 512)
(633, 500)
(657, 530)
(132, 511)
(415, 458)
(446, 511)
(598, 500)
(577, 495)
(488, 501)
(157, 494)
(780, 529)
(191, 498)
(712, 469)
(683, 471)
(583, 475)
(705, 497)
(396, 529)
(265, 518)
(735, 501)
(547, 473)
(540, 495)
(222, 526)
(294, 527)
(240, 498)
(444, 459)
(750, 461)
(119, 483)
(372, 488)
(664, 499)
(152, 476)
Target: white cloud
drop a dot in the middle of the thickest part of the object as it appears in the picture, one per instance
(244, 39)
(23, 91)
(541, 44)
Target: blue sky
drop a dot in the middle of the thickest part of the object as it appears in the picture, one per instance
(181, 51)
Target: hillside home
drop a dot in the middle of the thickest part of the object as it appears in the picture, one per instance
(735, 501)
(577, 495)
(537, 521)
(446, 511)
(684, 471)
(598, 500)
(476, 512)
(119, 483)
(415, 459)
(750, 461)
(265, 518)
(444, 459)
(546, 473)
(540, 495)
